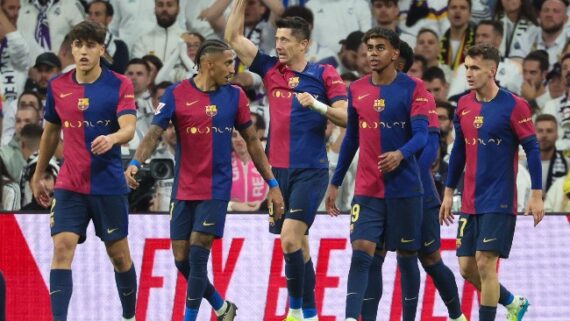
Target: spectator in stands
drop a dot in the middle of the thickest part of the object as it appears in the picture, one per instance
(44, 23)
(249, 189)
(193, 41)
(157, 92)
(428, 46)
(558, 197)
(47, 180)
(179, 66)
(406, 58)
(556, 85)
(64, 55)
(460, 35)
(418, 67)
(551, 36)
(386, 14)
(14, 52)
(28, 99)
(260, 126)
(12, 155)
(362, 65)
(29, 144)
(163, 187)
(155, 66)
(560, 107)
(206, 17)
(138, 72)
(482, 10)
(533, 89)
(164, 38)
(47, 66)
(435, 82)
(117, 52)
(445, 112)
(508, 74)
(348, 54)
(554, 163)
(417, 15)
(131, 19)
(333, 18)
(10, 201)
(518, 18)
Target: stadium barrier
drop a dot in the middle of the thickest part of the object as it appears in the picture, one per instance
(247, 268)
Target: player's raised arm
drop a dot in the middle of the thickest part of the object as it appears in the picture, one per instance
(244, 48)
(48, 145)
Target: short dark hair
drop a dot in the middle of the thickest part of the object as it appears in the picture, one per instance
(161, 85)
(31, 93)
(197, 35)
(541, 56)
(407, 54)
(299, 11)
(210, 46)
(392, 1)
(468, 1)
(31, 131)
(109, 11)
(566, 56)
(379, 32)
(423, 60)
(486, 52)
(447, 106)
(428, 30)
(138, 61)
(88, 31)
(546, 117)
(299, 27)
(152, 59)
(349, 76)
(495, 24)
(433, 73)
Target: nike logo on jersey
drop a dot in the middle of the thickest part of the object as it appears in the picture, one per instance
(465, 112)
(62, 95)
(363, 96)
(191, 103)
(486, 240)
(410, 298)
(128, 293)
(426, 244)
(206, 223)
(403, 240)
(111, 230)
(295, 210)
(53, 292)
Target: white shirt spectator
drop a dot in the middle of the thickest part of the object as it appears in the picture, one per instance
(509, 76)
(514, 33)
(10, 196)
(533, 41)
(556, 200)
(523, 188)
(161, 42)
(15, 59)
(543, 99)
(482, 10)
(335, 19)
(177, 67)
(132, 19)
(61, 16)
(191, 9)
(145, 112)
(560, 108)
(436, 20)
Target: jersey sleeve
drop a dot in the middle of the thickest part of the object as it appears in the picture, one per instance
(126, 103)
(262, 63)
(433, 120)
(165, 110)
(420, 102)
(349, 146)
(521, 120)
(334, 85)
(50, 113)
(243, 117)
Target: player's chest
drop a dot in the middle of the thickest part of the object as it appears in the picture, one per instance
(375, 105)
(203, 109)
(283, 86)
(485, 122)
(76, 105)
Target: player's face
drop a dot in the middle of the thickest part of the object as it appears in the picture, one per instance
(12, 10)
(221, 67)
(437, 88)
(532, 73)
(381, 54)
(444, 121)
(288, 47)
(86, 54)
(486, 35)
(385, 12)
(479, 72)
(238, 143)
(458, 13)
(140, 77)
(547, 134)
(427, 45)
(98, 14)
(362, 64)
(552, 16)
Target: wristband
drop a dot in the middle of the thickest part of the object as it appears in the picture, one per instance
(136, 163)
(272, 183)
(319, 107)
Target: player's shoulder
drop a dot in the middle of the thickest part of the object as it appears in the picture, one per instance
(62, 78)
(115, 75)
(362, 83)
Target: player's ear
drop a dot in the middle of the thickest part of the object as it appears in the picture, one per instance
(396, 54)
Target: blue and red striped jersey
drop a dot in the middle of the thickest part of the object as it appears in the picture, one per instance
(204, 122)
(86, 111)
(487, 141)
(297, 134)
(427, 156)
(380, 120)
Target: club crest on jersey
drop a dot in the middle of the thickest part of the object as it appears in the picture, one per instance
(83, 103)
(379, 105)
(211, 110)
(293, 82)
(478, 122)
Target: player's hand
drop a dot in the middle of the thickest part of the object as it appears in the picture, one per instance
(275, 203)
(306, 99)
(330, 200)
(206, 15)
(536, 207)
(40, 190)
(130, 173)
(445, 214)
(389, 161)
(102, 144)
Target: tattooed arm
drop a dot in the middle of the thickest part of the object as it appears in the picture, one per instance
(145, 149)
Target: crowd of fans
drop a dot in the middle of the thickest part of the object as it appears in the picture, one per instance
(154, 43)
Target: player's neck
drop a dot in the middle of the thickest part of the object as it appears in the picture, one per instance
(298, 65)
(385, 76)
(487, 93)
(204, 83)
(88, 76)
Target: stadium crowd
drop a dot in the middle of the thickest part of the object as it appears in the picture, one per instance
(154, 43)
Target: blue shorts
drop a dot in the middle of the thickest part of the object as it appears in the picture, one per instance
(492, 232)
(303, 190)
(71, 212)
(431, 237)
(207, 217)
(393, 223)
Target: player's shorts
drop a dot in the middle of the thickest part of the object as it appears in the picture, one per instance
(207, 217)
(431, 237)
(71, 212)
(492, 232)
(303, 190)
(396, 222)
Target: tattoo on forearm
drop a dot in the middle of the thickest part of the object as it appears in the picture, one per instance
(149, 143)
